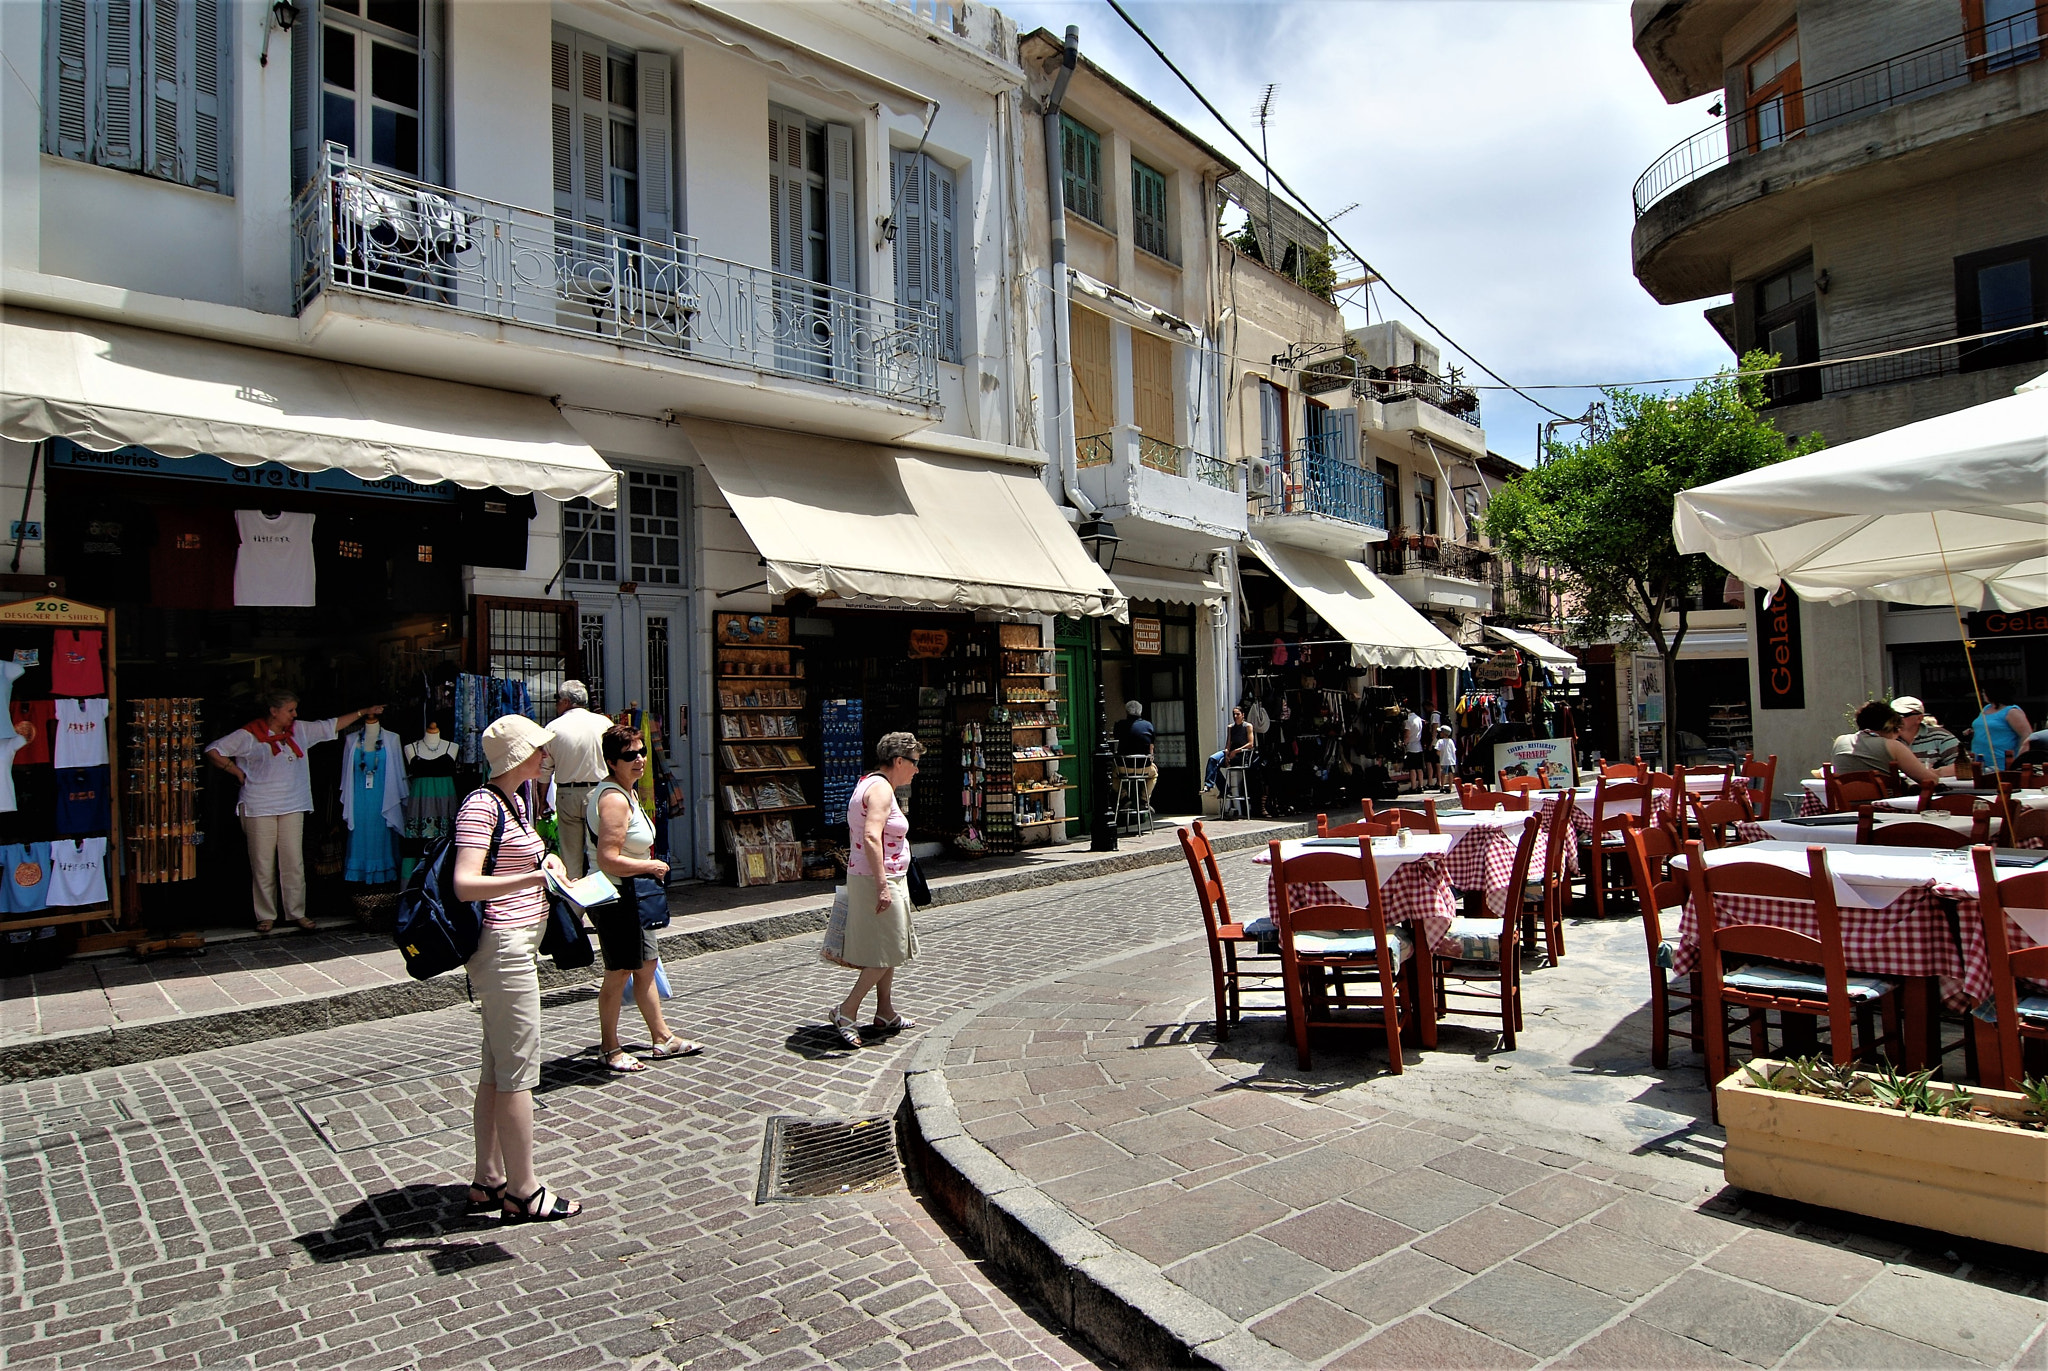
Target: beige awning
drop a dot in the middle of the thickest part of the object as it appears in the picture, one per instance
(1168, 585)
(105, 386)
(859, 521)
(1382, 628)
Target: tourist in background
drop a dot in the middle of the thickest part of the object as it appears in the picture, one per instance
(879, 933)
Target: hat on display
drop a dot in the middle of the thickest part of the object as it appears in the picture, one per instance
(510, 740)
(1908, 704)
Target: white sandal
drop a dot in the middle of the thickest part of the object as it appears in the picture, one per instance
(674, 1047)
(847, 1029)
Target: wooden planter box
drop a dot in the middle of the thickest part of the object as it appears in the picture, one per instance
(1975, 1180)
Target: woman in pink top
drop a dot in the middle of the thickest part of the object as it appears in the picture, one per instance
(879, 937)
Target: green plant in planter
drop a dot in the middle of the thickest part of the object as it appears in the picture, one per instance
(2035, 1090)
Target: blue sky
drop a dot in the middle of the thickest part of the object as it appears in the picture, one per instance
(1490, 147)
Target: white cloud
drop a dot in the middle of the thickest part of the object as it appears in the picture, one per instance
(1492, 148)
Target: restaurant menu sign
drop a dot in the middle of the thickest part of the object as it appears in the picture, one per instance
(1145, 637)
(1522, 759)
(1780, 660)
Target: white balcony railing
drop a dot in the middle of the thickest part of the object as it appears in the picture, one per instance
(376, 234)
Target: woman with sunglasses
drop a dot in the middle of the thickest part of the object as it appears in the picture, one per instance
(621, 842)
(879, 936)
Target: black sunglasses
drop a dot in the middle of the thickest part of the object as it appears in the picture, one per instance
(633, 756)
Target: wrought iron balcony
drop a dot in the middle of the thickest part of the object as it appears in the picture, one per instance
(1313, 481)
(1912, 75)
(1099, 450)
(371, 233)
(1416, 554)
(1388, 384)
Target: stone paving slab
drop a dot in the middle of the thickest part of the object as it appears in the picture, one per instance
(1558, 1205)
(108, 1010)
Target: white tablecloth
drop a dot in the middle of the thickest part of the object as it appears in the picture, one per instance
(1864, 877)
(1388, 856)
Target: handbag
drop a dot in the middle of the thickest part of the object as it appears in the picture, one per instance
(650, 901)
(566, 939)
(834, 949)
(920, 893)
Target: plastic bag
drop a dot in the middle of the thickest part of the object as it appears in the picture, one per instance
(660, 982)
(834, 949)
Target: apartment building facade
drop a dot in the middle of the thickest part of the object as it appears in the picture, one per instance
(1870, 197)
(583, 332)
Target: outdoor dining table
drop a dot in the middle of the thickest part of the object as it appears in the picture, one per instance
(1895, 904)
(1813, 798)
(1415, 889)
(1840, 829)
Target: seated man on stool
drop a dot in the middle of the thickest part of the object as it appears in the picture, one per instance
(1135, 742)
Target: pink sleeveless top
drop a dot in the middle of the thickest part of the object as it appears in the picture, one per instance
(895, 830)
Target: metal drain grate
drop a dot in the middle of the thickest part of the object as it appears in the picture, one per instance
(808, 1159)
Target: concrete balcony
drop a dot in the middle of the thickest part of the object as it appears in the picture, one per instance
(1416, 414)
(1319, 501)
(1971, 101)
(1170, 499)
(401, 267)
(1432, 573)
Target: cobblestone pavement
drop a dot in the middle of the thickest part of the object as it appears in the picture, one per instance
(299, 1202)
(1557, 1205)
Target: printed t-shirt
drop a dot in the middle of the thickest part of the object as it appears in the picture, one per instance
(11, 745)
(520, 850)
(192, 563)
(83, 804)
(81, 733)
(10, 672)
(78, 871)
(40, 717)
(104, 547)
(26, 876)
(274, 564)
(75, 663)
(279, 781)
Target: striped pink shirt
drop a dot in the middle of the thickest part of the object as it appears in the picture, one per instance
(520, 850)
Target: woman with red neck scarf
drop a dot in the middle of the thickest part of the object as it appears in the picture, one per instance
(268, 758)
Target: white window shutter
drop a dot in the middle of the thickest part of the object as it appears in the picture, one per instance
(167, 48)
(306, 122)
(786, 193)
(69, 84)
(1345, 426)
(593, 185)
(433, 91)
(907, 188)
(842, 242)
(563, 70)
(657, 145)
(208, 95)
(121, 97)
(940, 272)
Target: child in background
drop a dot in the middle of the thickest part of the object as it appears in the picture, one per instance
(1446, 755)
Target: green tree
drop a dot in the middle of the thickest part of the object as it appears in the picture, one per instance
(1598, 513)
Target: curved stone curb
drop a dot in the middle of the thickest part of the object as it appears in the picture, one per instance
(1115, 1300)
(66, 1054)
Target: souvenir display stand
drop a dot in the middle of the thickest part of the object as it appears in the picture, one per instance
(62, 655)
(763, 766)
(1038, 789)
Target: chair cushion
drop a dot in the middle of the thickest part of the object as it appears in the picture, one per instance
(2034, 1007)
(1771, 979)
(1471, 940)
(1354, 943)
(1261, 927)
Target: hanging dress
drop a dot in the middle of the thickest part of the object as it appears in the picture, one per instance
(371, 859)
(431, 814)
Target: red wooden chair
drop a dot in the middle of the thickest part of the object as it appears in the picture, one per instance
(2026, 828)
(1846, 792)
(1329, 952)
(1623, 771)
(1726, 773)
(1544, 907)
(1913, 833)
(1801, 975)
(1616, 804)
(1420, 822)
(1650, 851)
(1382, 825)
(1478, 799)
(1479, 953)
(2020, 1016)
(1761, 776)
(1715, 820)
(1516, 784)
(1229, 945)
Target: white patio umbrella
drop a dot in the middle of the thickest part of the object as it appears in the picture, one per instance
(1948, 511)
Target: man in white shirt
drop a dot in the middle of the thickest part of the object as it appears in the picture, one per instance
(1412, 745)
(578, 755)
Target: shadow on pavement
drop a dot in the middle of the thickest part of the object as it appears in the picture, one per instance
(427, 1219)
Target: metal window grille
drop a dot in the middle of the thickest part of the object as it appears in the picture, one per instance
(592, 538)
(657, 675)
(533, 641)
(654, 504)
(593, 660)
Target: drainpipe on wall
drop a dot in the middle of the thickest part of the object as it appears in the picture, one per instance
(1056, 216)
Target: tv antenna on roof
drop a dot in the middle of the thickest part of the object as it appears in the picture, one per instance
(1264, 114)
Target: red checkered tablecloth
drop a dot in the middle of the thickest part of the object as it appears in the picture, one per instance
(1908, 937)
(1419, 893)
(1483, 858)
(1811, 804)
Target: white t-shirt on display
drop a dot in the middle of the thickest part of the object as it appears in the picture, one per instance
(81, 733)
(78, 871)
(10, 743)
(274, 565)
(10, 672)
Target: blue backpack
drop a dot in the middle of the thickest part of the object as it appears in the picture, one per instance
(435, 931)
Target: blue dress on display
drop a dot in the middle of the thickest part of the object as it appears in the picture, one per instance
(371, 857)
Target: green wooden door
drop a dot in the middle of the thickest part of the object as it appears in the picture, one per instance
(1074, 660)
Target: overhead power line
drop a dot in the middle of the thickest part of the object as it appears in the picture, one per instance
(1323, 223)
